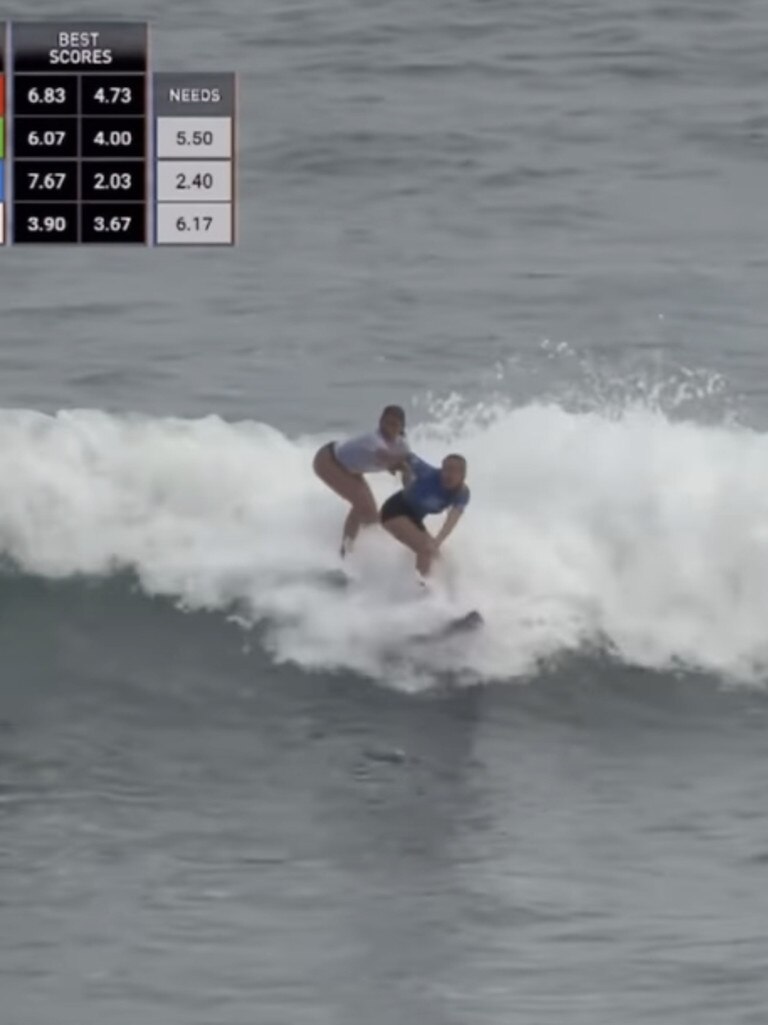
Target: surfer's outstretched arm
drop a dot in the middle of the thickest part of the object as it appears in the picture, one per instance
(453, 517)
(406, 474)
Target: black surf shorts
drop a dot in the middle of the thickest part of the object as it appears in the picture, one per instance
(395, 506)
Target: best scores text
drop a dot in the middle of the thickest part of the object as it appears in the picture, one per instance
(79, 48)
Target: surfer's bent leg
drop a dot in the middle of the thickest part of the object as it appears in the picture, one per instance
(362, 513)
(404, 525)
(350, 486)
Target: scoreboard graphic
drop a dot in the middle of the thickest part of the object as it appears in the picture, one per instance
(96, 148)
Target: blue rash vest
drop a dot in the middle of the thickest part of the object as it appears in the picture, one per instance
(426, 494)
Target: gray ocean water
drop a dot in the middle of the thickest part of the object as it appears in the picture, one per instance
(201, 827)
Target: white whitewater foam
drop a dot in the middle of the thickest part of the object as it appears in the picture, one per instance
(646, 533)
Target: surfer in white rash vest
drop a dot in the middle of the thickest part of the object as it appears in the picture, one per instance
(341, 465)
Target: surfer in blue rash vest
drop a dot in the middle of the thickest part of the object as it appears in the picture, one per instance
(342, 465)
(428, 490)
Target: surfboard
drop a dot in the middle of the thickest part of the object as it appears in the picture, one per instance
(458, 625)
(461, 624)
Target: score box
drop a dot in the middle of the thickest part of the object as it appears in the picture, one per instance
(194, 224)
(208, 181)
(79, 131)
(79, 47)
(194, 158)
(2, 133)
(194, 137)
